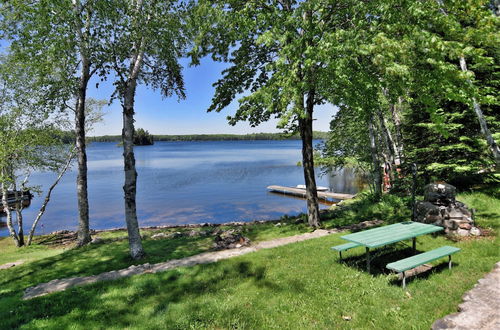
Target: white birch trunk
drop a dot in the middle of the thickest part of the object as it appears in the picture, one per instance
(377, 177)
(482, 121)
(5, 204)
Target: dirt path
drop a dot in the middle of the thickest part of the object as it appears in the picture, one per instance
(203, 258)
(11, 264)
(480, 309)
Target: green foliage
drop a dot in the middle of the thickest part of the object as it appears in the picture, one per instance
(389, 208)
(143, 138)
(29, 131)
(278, 60)
(412, 54)
(145, 42)
(215, 137)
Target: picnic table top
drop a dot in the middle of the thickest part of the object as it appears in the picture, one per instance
(384, 235)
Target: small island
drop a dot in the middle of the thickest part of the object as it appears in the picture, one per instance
(143, 138)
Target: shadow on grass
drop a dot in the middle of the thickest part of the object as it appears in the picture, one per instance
(424, 274)
(381, 257)
(120, 302)
(97, 258)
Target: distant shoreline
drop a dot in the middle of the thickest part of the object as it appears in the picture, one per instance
(213, 137)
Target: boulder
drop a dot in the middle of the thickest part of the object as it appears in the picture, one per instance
(475, 231)
(230, 239)
(441, 209)
(428, 212)
(440, 193)
(159, 236)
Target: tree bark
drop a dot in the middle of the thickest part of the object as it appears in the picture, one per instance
(81, 180)
(389, 143)
(5, 204)
(396, 117)
(306, 135)
(130, 186)
(19, 217)
(482, 121)
(377, 177)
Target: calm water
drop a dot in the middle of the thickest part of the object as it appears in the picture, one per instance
(183, 182)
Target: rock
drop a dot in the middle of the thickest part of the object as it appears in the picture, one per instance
(428, 212)
(61, 232)
(96, 240)
(230, 239)
(159, 236)
(365, 224)
(278, 224)
(193, 233)
(466, 226)
(475, 231)
(177, 234)
(441, 209)
(440, 193)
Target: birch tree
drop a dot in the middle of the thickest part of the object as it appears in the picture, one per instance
(28, 131)
(486, 23)
(147, 39)
(275, 62)
(62, 40)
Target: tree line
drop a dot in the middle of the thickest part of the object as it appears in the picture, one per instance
(407, 76)
(214, 137)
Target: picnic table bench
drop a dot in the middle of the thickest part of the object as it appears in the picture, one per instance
(390, 234)
(411, 262)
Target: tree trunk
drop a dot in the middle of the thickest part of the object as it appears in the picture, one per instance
(390, 146)
(396, 117)
(377, 177)
(495, 150)
(5, 204)
(130, 186)
(306, 134)
(19, 216)
(81, 180)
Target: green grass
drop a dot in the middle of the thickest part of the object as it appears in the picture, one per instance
(297, 286)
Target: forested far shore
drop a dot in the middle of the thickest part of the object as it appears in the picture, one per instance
(214, 137)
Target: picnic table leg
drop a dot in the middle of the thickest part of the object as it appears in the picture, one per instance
(414, 245)
(368, 259)
(449, 261)
(404, 280)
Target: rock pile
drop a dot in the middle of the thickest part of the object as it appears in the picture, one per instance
(441, 209)
(230, 239)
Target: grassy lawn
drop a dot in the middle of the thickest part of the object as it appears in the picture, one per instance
(297, 286)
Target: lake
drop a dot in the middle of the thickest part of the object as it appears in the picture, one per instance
(184, 182)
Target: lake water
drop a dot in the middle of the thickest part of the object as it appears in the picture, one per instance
(183, 182)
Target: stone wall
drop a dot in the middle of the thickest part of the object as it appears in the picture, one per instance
(440, 208)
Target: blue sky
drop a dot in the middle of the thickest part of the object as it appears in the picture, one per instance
(170, 116)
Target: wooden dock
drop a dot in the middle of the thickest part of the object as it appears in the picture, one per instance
(302, 192)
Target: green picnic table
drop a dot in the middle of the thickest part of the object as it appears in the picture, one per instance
(390, 234)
